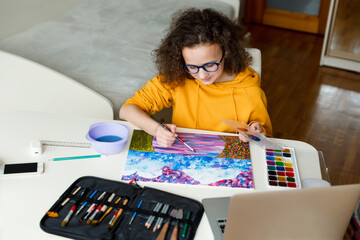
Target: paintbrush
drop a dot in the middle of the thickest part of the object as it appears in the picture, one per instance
(54, 213)
(177, 137)
(117, 215)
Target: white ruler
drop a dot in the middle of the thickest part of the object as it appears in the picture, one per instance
(65, 144)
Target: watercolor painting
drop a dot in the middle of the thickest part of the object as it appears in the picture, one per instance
(219, 160)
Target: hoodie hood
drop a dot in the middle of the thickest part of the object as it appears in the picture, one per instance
(247, 78)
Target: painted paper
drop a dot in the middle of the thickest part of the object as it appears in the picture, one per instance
(218, 161)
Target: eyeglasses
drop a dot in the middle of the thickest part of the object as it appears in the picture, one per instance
(209, 67)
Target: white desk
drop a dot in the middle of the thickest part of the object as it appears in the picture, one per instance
(25, 199)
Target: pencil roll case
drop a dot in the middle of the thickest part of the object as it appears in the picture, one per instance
(97, 208)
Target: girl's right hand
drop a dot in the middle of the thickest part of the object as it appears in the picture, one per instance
(254, 127)
(165, 138)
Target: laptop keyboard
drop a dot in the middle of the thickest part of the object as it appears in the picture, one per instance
(221, 223)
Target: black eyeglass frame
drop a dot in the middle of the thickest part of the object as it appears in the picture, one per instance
(204, 66)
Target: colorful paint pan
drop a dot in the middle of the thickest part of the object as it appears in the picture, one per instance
(282, 168)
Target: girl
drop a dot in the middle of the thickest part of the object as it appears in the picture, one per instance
(204, 76)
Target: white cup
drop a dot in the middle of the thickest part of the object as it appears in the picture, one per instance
(314, 183)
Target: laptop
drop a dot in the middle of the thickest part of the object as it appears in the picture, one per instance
(311, 213)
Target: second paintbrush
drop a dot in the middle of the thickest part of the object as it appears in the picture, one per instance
(177, 137)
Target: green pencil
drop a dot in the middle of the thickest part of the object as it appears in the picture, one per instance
(186, 225)
(76, 157)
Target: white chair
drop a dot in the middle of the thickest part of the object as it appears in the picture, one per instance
(29, 86)
(256, 59)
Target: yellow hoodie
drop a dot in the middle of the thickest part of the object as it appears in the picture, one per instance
(200, 106)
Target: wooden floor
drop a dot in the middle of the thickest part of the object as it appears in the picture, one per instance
(306, 102)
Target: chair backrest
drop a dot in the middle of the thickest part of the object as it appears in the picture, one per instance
(29, 86)
(256, 59)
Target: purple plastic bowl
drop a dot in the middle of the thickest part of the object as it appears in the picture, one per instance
(108, 138)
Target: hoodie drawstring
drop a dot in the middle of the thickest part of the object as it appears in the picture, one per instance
(197, 105)
(234, 104)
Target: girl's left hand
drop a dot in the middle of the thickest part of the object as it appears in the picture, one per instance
(256, 126)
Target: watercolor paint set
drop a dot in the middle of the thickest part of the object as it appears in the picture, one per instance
(97, 208)
(282, 170)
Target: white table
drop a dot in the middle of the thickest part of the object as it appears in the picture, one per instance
(30, 86)
(25, 199)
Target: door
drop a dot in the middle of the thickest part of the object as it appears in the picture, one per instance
(301, 15)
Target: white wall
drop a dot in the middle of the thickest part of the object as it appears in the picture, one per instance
(18, 15)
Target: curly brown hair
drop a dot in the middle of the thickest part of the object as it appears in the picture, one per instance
(193, 27)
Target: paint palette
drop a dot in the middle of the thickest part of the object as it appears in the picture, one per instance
(282, 170)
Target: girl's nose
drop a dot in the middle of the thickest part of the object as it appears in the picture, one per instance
(202, 73)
